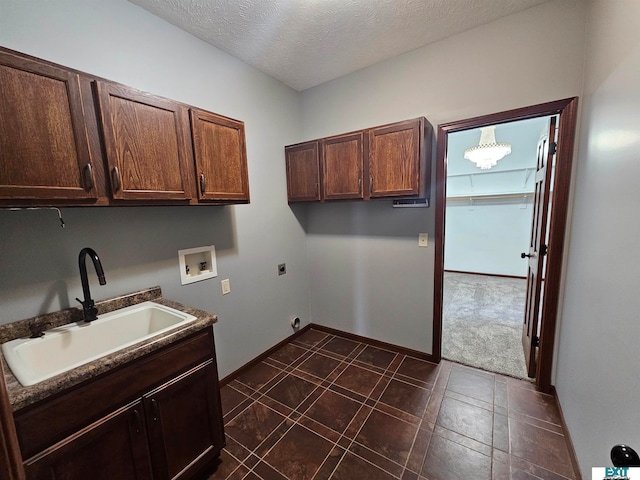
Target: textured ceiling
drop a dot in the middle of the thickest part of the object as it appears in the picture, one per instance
(305, 43)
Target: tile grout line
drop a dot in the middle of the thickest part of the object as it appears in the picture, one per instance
(389, 374)
(372, 407)
(295, 421)
(441, 369)
(262, 458)
(352, 441)
(326, 388)
(316, 349)
(257, 400)
(363, 404)
(349, 362)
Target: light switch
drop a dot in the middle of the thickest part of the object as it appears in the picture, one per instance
(423, 239)
(226, 286)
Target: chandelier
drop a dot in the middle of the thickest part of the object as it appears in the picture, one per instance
(487, 153)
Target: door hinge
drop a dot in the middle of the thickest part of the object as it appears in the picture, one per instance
(553, 148)
(535, 341)
(543, 250)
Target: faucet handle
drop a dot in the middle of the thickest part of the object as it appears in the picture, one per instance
(89, 310)
(84, 305)
(37, 329)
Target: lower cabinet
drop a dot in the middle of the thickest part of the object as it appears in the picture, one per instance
(183, 424)
(114, 447)
(170, 431)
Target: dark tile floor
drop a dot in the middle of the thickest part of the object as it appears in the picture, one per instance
(326, 407)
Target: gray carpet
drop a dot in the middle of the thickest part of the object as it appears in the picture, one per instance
(482, 322)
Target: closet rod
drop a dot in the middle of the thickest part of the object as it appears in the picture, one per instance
(489, 197)
(486, 172)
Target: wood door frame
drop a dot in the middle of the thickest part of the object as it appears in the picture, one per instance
(567, 109)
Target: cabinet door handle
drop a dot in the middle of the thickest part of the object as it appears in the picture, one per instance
(371, 184)
(88, 177)
(203, 184)
(137, 420)
(154, 409)
(360, 185)
(115, 179)
(317, 189)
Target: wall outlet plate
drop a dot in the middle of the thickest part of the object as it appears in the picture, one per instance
(197, 264)
(226, 286)
(282, 268)
(423, 239)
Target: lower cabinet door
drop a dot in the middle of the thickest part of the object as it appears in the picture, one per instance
(113, 448)
(184, 423)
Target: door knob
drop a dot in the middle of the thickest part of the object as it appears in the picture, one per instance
(624, 456)
(527, 255)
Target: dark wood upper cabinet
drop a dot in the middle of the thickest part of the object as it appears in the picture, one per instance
(303, 172)
(44, 151)
(147, 144)
(395, 156)
(390, 161)
(342, 166)
(220, 156)
(69, 138)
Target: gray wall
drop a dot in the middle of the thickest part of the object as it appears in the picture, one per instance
(378, 245)
(598, 354)
(488, 236)
(368, 275)
(138, 246)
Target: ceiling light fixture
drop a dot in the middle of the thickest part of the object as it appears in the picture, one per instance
(487, 153)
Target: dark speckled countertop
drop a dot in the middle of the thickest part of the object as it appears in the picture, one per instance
(21, 396)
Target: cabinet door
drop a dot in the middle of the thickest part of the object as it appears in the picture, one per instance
(395, 159)
(147, 144)
(185, 423)
(44, 152)
(342, 164)
(221, 157)
(113, 448)
(303, 172)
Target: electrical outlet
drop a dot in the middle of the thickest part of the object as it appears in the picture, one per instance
(226, 286)
(282, 268)
(423, 239)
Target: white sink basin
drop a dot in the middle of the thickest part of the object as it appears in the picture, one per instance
(33, 360)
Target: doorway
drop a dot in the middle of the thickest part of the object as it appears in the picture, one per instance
(488, 223)
(542, 345)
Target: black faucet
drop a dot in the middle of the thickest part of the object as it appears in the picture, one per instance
(89, 311)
